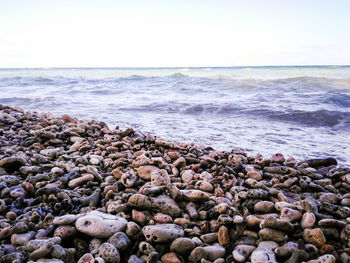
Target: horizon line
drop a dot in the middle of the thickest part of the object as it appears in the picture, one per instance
(184, 67)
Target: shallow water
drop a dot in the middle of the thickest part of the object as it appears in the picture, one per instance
(302, 112)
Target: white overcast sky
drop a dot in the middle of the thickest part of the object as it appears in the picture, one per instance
(183, 33)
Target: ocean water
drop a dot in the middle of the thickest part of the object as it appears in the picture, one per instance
(302, 112)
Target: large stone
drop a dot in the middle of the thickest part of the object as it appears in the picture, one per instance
(12, 163)
(314, 236)
(208, 252)
(100, 225)
(145, 172)
(162, 232)
(166, 205)
(182, 246)
(242, 252)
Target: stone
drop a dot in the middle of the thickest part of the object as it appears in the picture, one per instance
(323, 259)
(223, 236)
(170, 257)
(208, 252)
(140, 201)
(242, 252)
(308, 220)
(65, 231)
(160, 177)
(166, 205)
(65, 219)
(275, 223)
(290, 215)
(332, 223)
(109, 253)
(100, 225)
(194, 195)
(22, 239)
(272, 234)
(13, 163)
(86, 258)
(314, 236)
(264, 207)
(80, 180)
(162, 232)
(145, 172)
(182, 246)
(264, 252)
(120, 241)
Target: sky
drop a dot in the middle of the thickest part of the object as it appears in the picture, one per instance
(178, 33)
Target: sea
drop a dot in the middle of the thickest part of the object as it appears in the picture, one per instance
(299, 111)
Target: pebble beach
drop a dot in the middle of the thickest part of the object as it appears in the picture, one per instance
(77, 191)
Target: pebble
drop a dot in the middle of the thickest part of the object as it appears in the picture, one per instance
(162, 232)
(74, 190)
(100, 225)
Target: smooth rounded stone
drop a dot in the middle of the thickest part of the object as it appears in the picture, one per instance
(50, 152)
(308, 220)
(182, 246)
(162, 232)
(145, 172)
(120, 241)
(264, 207)
(194, 195)
(170, 257)
(252, 221)
(204, 186)
(58, 252)
(290, 215)
(187, 176)
(314, 236)
(135, 259)
(332, 223)
(140, 201)
(35, 244)
(22, 239)
(165, 204)
(286, 250)
(80, 180)
(65, 219)
(209, 238)
(298, 256)
(2, 206)
(47, 260)
(329, 198)
(139, 217)
(133, 230)
(100, 225)
(160, 177)
(162, 218)
(323, 259)
(86, 258)
(254, 175)
(65, 231)
(42, 251)
(99, 260)
(94, 245)
(208, 252)
(242, 252)
(344, 258)
(145, 248)
(272, 234)
(280, 205)
(345, 202)
(264, 252)
(109, 253)
(223, 236)
(275, 223)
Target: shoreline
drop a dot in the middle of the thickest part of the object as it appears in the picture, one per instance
(76, 191)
